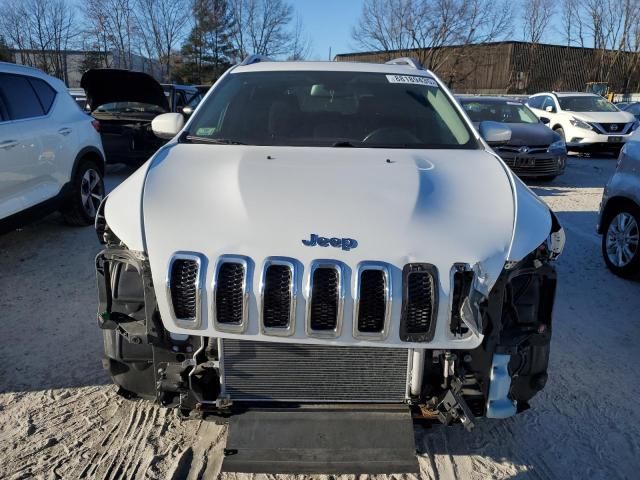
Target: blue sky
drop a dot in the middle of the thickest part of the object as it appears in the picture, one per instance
(328, 23)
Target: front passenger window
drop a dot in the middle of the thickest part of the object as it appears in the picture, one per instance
(548, 102)
(19, 97)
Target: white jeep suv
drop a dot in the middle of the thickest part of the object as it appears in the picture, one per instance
(51, 155)
(326, 233)
(586, 121)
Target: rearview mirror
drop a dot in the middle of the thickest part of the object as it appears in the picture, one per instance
(167, 125)
(549, 108)
(545, 120)
(187, 111)
(494, 133)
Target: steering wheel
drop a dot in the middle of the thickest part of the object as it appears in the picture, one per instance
(391, 135)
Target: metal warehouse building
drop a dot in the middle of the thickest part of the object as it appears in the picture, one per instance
(520, 67)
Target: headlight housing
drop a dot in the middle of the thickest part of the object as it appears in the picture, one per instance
(576, 122)
(635, 125)
(558, 147)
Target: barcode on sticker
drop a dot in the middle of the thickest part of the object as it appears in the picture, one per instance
(412, 80)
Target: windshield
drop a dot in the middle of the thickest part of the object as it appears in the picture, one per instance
(129, 107)
(585, 103)
(498, 111)
(342, 109)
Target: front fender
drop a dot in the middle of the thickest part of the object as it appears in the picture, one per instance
(123, 210)
(532, 224)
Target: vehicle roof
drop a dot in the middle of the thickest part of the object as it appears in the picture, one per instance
(192, 88)
(481, 99)
(6, 67)
(269, 66)
(568, 94)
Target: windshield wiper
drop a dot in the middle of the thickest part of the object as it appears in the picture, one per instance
(214, 141)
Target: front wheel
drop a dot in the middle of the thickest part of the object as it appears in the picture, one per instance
(621, 242)
(87, 191)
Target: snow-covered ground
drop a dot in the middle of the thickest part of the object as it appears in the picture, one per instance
(60, 416)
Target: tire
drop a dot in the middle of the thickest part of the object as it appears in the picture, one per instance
(560, 131)
(87, 191)
(621, 242)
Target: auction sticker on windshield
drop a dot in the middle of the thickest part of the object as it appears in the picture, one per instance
(412, 80)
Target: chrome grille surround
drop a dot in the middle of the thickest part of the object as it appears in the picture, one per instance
(340, 269)
(247, 264)
(388, 289)
(292, 265)
(193, 322)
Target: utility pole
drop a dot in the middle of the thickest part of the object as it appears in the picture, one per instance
(329, 53)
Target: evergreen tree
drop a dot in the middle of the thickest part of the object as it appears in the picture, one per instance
(208, 50)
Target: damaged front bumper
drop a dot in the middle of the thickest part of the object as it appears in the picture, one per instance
(220, 376)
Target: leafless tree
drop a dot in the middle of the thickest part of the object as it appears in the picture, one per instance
(536, 16)
(42, 29)
(300, 46)
(425, 25)
(161, 27)
(111, 23)
(572, 23)
(262, 27)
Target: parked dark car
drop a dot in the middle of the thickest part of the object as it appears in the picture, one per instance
(125, 103)
(534, 149)
(179, 96)
(631, 107)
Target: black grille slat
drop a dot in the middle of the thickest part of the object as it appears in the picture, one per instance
(277, 296)
(419, 302)
(184, 279)
(325, 299)
(372, 304)
(230, 293)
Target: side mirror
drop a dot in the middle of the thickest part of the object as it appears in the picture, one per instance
(495, 133)
(167, 125)
(187, 111)
(549, 108)
(545, 120)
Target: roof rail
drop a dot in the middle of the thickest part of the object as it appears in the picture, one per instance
(251, 59)
(407, 61)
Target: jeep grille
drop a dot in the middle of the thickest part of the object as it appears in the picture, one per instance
(419, 302)
(325, 299)
(372, 301)
(184, 288)
(277, 296)
(230, 293)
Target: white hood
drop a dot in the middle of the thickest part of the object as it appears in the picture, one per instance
(401, 206)
(603, 117)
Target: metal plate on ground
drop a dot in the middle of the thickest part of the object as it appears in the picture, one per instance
(322, 441)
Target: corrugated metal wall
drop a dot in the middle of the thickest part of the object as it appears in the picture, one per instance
(521, 68)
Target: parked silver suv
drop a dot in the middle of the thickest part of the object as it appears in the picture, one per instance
(619, 221)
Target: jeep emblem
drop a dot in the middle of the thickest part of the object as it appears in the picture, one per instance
(345, 243)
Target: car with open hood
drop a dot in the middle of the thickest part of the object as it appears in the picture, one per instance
(534, 150)
(125, 102)
(328, 233)
(587, 122)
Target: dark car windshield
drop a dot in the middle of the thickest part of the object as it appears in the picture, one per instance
(129, 107)
(586, 103)
(498, 111)
(341, 109)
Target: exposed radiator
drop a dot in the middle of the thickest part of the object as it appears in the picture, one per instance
(275, 372)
